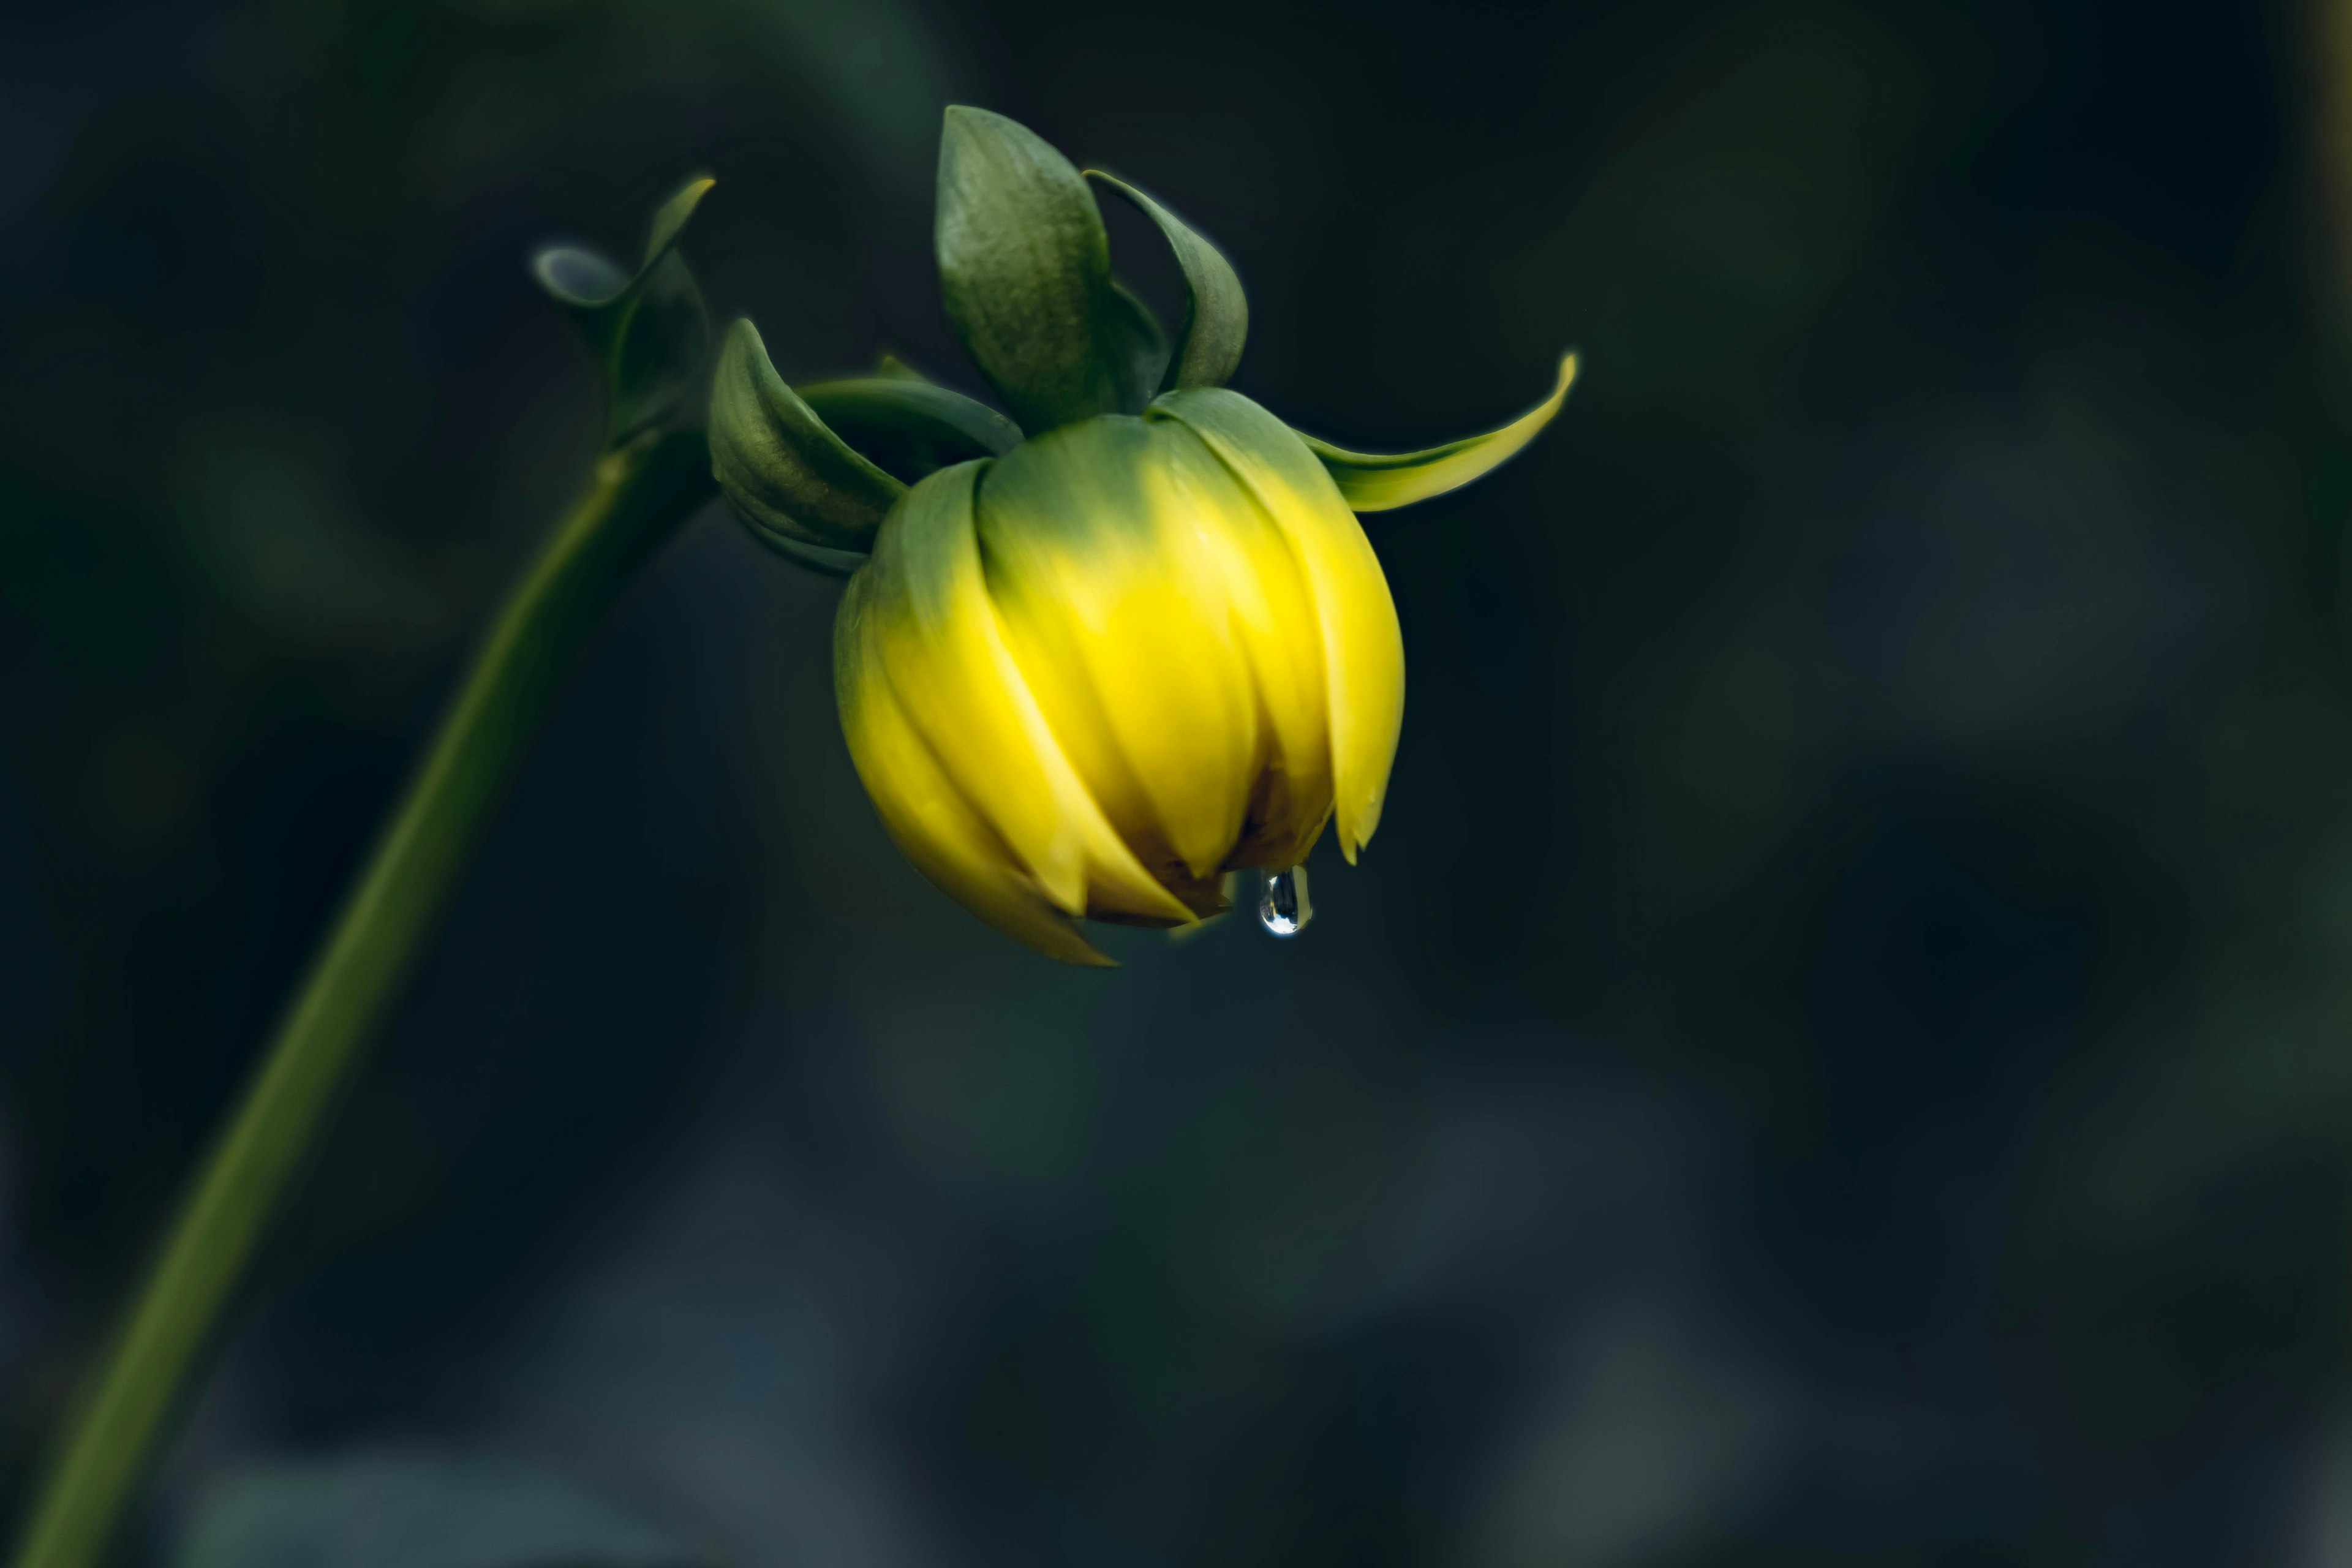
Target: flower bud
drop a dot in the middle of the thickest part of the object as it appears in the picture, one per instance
(1089, 663)
(1133, 653)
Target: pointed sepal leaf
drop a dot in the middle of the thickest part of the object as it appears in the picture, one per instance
(785, 473)
(1024, 272)
(1208, 347)
(815, 558)
(648, 329)
(671, 217)
(1136, 346)
(1376, 481)
(910, 428)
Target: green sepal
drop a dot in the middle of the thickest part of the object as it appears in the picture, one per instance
(648, 329)
(1136, 346)
(910, 428)
(1376, 481)
(1024, 272)
(1217, 312)
(814, 557)
(785, 474)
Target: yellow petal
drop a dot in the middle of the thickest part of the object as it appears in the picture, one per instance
(931, 820)
(1115, 607)
(1363, 651)
(1272, 614)
(938, 643)
(1375, 481)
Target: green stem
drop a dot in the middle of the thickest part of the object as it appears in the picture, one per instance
(640, 495)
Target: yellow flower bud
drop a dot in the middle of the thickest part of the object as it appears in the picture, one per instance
(1089, 677)
(1110, 649)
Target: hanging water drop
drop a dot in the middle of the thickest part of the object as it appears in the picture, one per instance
(1283, 909)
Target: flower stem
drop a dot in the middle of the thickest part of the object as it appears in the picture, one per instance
(639, 498)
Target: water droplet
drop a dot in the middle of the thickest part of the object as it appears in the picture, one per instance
(1283, 909)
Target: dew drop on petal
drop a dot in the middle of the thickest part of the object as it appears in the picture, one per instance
(1283, 908)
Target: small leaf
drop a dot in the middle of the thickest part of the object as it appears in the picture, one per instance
(1217, 312)
(648, 329)
(1023, 269)
(670, 218)
(910, 428)
(892, 368)
(1375, 481)
(661, 351)
(781, 469)
(1137, 347)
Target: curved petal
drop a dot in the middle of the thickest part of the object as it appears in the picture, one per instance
(1271, 612)
(928, 818)
(1376, 481)
(944, 653)
(1363, 650)
(1115, 611)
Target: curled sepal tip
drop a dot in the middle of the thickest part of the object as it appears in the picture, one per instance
(1208, 348)
(1376, 481)
(791, 480)
(648, 329)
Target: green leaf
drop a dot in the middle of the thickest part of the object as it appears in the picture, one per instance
(670, 218)
(1375, 481)
(910, 428)
(648, 329)
(397, 1510)
(785, 474)
(1024, 270)
(1136, 346)
(814, 557)
(1217, 312)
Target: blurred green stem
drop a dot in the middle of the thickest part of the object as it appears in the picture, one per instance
(640, 495)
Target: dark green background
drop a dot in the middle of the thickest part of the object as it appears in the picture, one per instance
(1841, 1052)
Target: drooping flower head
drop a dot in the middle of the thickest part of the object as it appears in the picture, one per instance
(1092, 661)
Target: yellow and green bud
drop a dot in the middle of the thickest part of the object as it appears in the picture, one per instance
(1090, 662)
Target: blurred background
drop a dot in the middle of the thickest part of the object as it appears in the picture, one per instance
(1842, 1052)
